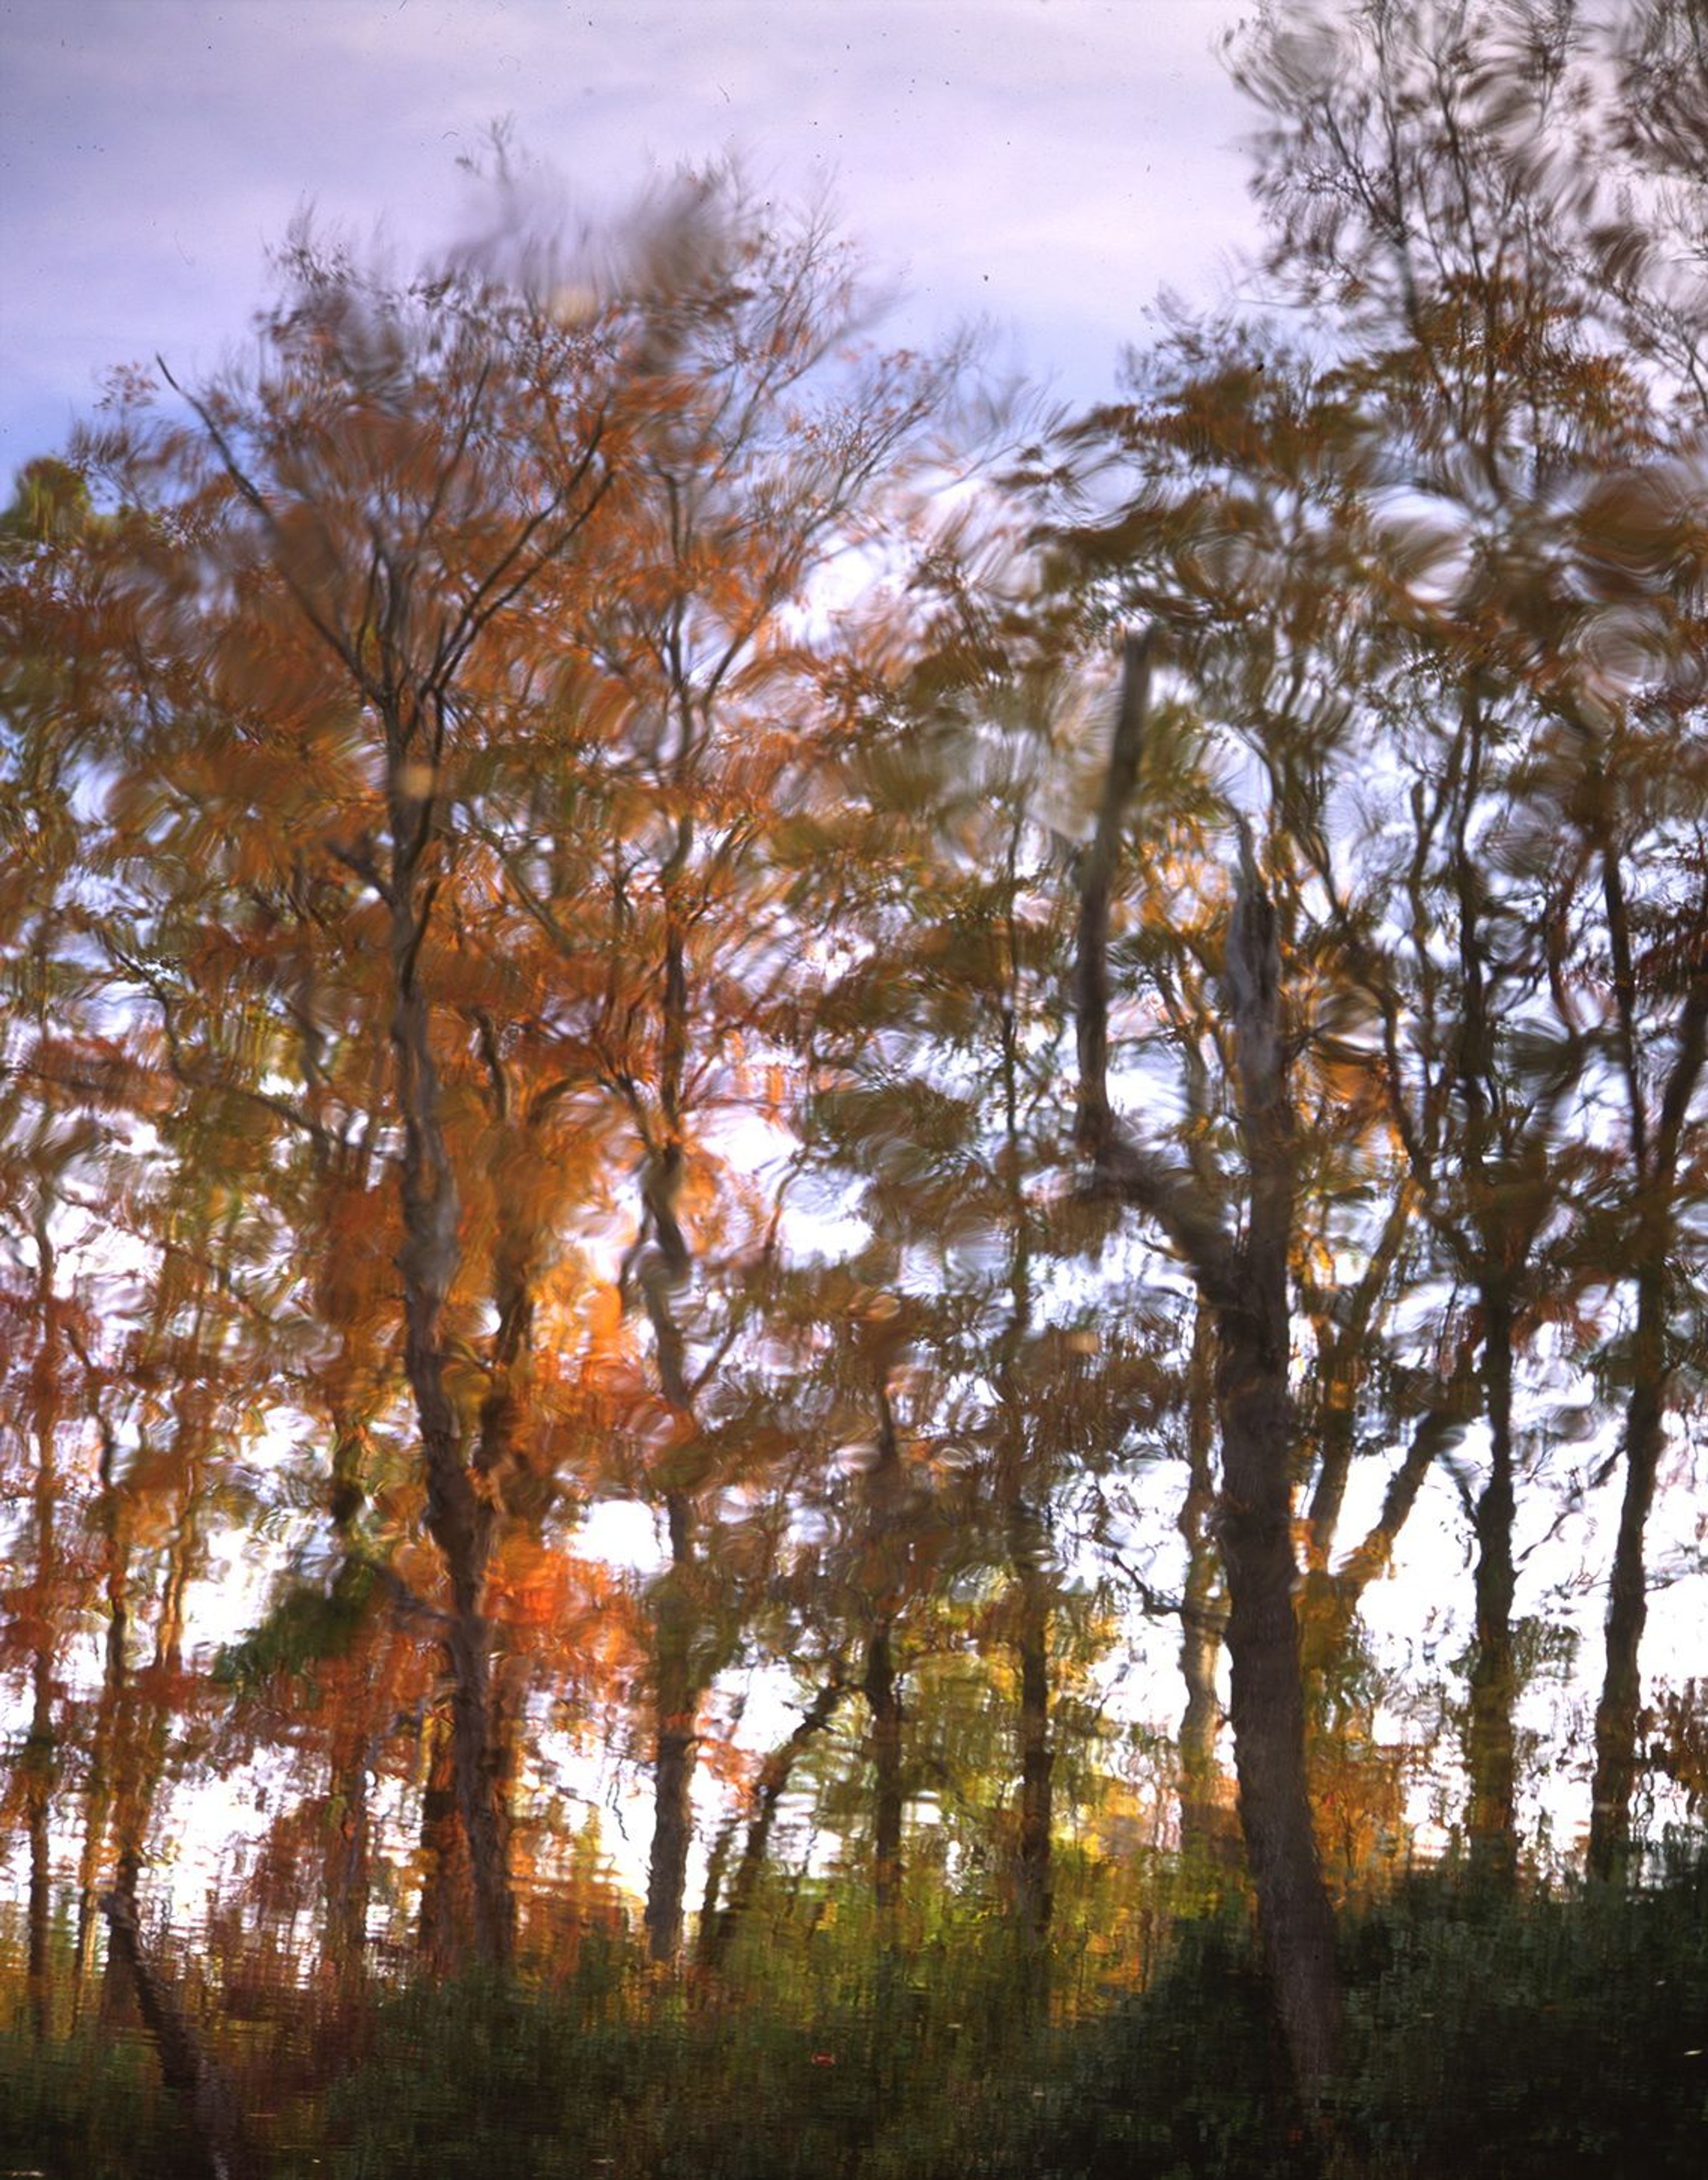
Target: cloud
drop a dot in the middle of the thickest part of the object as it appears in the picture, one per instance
(1050, 160)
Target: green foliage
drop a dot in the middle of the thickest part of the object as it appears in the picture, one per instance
(1555, 2036)
(640, 2083)
(89, 2107)
(50, 502)
(1186, 2078)
(307, 1628)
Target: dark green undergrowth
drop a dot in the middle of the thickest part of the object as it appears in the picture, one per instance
(87, 2108)
(1561, 2037)
(1556, 2036)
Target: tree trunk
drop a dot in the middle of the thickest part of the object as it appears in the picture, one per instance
(1034, 1883)
(679, 1685)
(1023, 1495)
(1266, 1700)
(1253, 1326)
(1491, 1750)
(708, 1946)
(483, 1769)
(347, 1875)
(675, 1747)
(39, 1762)
(881, 1688)
(348, 1844)
(459, 1518)
(444, 1855)
(1617, 1713)
(104, 1755)
(1203, 1614)
(187, 2068)
(1627, 1597)
(1243, 1281)
(1494, 1255)
(37, 1765)
(1034, 1891)
(145, 1724)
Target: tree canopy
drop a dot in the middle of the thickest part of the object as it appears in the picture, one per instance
(1137, 1079)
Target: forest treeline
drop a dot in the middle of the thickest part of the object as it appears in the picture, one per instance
(617, 897)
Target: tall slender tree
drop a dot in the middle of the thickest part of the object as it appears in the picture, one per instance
(1243, 1274)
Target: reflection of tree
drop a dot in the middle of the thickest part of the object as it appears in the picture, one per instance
(470, 912)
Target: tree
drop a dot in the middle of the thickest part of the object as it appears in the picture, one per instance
(1642, 557)
(511, 1004)
(1243, 1276)
(1533, 378)
(941, 1044)
(462, 686)
(335, 591)
(769, 440)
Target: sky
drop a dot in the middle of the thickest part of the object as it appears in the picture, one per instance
(1048, 165)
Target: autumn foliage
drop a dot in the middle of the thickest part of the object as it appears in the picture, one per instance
(1028, 1046)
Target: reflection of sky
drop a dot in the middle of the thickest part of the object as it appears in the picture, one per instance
(1048, 162)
